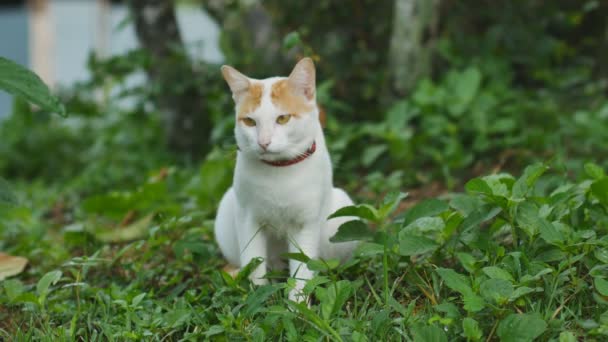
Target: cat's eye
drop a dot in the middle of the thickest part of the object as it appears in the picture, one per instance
(248, 122)
(283, 119)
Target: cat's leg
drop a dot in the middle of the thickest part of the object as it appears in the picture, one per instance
(304, 241)
(252, 243)
(225, 228)
(339, 250)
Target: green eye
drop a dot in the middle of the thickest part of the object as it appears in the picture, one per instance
(248, 122)
(283, 119)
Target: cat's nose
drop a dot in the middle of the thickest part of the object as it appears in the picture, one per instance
(264, 145)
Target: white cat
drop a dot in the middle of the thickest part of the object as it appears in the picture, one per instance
(282, 191)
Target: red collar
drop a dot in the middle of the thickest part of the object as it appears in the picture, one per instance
(295, 160)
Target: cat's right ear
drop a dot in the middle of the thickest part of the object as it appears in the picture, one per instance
(237, 82)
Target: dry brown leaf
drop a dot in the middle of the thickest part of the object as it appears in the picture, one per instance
(11, 265)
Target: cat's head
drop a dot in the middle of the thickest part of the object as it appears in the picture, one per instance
(276, 118)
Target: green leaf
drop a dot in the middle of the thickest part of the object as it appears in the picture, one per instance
(594, 171)
(390, 203)
(478, 216)
(364, 211)
(410, 244)
(354, 230)
(601, 285)
(528, 179)
(42, 288)
(291, 40)
(520, 292)
(255, 300)
(599, 189)
(521, 327)
(333, 297)
(478, 186)
(529, 220)
(498, 273)
(463, 88)
(20, 81)
(567, 336)
(471, 329)
(455, 281)
(13, 288)
(467, 261)
(430, 207)
(428, 333)
(498, 290)
(549, 233)
(473, 303)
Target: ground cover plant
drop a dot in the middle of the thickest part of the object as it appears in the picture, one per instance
(482, 193)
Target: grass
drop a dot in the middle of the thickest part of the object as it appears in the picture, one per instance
(511, 258)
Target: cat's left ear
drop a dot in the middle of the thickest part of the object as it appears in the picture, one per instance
(237, 82)
(302, 78)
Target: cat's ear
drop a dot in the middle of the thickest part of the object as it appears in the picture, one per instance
(302, 78)
(237, 82)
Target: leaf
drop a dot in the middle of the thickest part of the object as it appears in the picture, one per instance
(520, 292)
(428, 333)
(364, 211)
(333, 297)
(528, 179)
(480, 215)
(471, 329)
(594, 171)
(473, 303)
(42, 288)
(601, 285)
(11, 265)
(478, 186)
(497, 273)
(390, 203)
(521, 327)
(467, 261)
(255, 300)
(498, 290)
(14, 288)
(464, 87)
(354, 230)
(529, 220)
(131, 232)
(6, 194)
(599, 189)
(17, 80)
(410, 244)
(430, 207)
(549, 233)
(291, 40)
(455, 281)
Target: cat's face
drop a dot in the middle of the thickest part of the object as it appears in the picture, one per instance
(276, 118)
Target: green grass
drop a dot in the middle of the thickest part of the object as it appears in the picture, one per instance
(512, 258)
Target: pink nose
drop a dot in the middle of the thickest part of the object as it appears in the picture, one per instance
(264, 146)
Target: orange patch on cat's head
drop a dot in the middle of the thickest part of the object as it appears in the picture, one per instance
(250, 100)
(287, 100)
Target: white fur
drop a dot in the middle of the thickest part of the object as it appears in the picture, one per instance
(273, 210)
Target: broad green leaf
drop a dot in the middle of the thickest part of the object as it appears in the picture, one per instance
(601, 285)
(594, 171)
(480, 215)
(364, 211)
(471, 329)
(13, 288)
(467, 261)
(11, 265)
(430, 207)
(464, 87)
(42, 288)
(567, 336)
(20, 81)
(333, 297)
(599, 189)
(521, 327)
(6, 194)
(478, 186)
(354, 230)
(498, 273)
(549, 233)
(410, 244)
(390, 203)
(428, 333)
(532, 223)
(455, 281)
(473, 302)
(528, 179)
(291, 40)
(135, 230)
(255, 301)
(466, 204)
(522, 291)
(498, 290)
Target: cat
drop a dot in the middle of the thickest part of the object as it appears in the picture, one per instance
(282, 191)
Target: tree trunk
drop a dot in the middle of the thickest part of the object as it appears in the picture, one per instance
(412, 43)
(179, 97)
